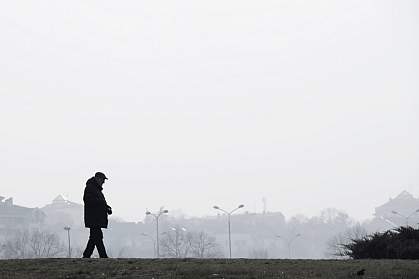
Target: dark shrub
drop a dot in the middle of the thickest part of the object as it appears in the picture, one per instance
(402, 243)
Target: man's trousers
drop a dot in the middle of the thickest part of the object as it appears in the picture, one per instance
(95, 240)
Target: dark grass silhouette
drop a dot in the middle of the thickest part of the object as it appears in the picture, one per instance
(210, 268)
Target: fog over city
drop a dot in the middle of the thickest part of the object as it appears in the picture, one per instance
(190, 104)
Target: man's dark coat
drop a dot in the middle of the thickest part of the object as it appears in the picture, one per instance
(95, 206)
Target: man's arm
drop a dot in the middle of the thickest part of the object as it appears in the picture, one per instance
(92, 197)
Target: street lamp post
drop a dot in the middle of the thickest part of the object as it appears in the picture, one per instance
(229, 222)
(289, 242)
(67, 228)
(156, 218)
(404, 216)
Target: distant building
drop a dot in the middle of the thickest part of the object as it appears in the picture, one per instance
(14, 217)
(400, 210)
(62, 211)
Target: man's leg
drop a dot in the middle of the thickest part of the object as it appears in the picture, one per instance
(90, 245)
(99, 243)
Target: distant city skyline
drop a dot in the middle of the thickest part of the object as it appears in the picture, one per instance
(386, 209)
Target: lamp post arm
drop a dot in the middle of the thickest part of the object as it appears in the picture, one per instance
(388, 221)
(231, 212)
(397, 213)
(226, 212)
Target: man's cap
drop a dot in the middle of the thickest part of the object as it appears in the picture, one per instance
(100, 175)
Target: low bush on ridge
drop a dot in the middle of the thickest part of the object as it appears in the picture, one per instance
(401, 243)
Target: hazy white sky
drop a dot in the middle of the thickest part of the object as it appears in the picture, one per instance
(187, 104)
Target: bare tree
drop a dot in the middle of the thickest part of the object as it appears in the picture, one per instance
(44, 244)
(32, 244)
(180, 244)
(176, 243)
(17, 246)
(204, 246)
(336, 244)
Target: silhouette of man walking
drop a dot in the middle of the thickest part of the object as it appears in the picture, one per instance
(96, 212)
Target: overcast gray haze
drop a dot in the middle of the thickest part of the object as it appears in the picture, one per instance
(187, 104)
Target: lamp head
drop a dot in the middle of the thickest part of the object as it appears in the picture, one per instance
(242, 205)
(165, 211)
(216, 207)
(148, 213)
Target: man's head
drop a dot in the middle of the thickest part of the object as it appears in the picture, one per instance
(100, 178)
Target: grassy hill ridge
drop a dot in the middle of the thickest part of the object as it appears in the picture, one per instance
(208, 268)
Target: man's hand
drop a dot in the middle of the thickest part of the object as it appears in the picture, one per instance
(109, 210)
